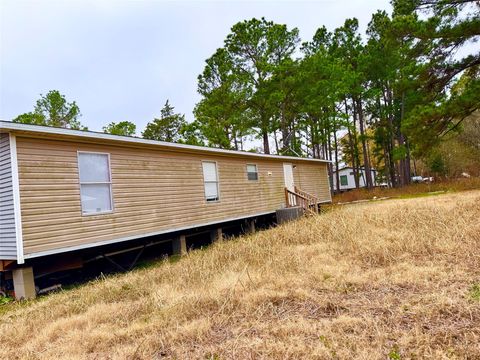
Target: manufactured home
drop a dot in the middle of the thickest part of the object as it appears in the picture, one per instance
(63, 191)
(347, 178)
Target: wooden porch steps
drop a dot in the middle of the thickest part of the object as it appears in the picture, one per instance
(301, 198)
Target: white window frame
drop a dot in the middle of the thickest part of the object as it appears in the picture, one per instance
(217, 182)
(256, 171)
(80, 183)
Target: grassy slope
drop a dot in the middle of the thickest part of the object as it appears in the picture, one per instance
(367, 281)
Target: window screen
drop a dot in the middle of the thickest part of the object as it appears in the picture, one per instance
(210, 179)
(252, 172)
(343, 180)
(95, 182)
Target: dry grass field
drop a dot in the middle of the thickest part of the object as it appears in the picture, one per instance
(396, 279)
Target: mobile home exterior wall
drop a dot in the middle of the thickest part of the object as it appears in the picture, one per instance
(347, 180)
(153, 191)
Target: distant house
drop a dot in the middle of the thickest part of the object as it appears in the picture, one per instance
(347, 179)
(66, 193)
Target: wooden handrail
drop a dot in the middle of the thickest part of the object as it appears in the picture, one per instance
(304, 193)
(311, 197)
(301, 198)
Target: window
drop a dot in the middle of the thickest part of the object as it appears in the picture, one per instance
(95, 183)
(210, 179)
(343, 180)
(252, 172)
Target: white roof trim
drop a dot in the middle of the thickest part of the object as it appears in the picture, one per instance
(11, 126)
(351, 167)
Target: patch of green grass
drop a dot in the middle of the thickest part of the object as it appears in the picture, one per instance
(475, 292)
(394, 354)
(5, 300)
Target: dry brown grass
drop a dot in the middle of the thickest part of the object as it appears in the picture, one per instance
(393, 279)
(411, 190)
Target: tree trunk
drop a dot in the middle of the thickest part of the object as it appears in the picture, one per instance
(387, 166)
(235, 140)
(285, 130)
(406, 162)
(370, 163)
(408, 166)
(415, 167)
(391, 144)
(356, 157)
(266, 145)
(351, 145)
(276, 141)
(330, 165)
(366, 161)
(337, 175)
(313, 137)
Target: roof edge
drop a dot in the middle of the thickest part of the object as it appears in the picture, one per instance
(351, 167)
(8, 125)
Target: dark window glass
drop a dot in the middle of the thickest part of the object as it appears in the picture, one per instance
(252, 172)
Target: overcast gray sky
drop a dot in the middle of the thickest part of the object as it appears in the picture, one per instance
(121, 60)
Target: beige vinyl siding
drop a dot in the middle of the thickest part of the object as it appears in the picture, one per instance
(153, 191)
(8, 240)
(313, 178)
